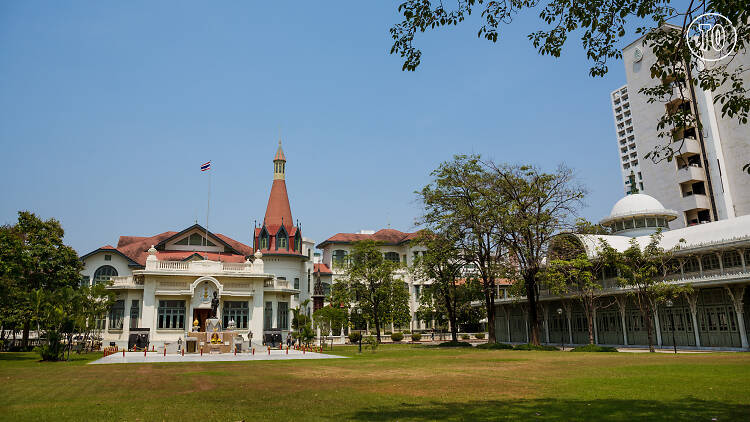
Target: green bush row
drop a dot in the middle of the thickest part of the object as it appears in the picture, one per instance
(594, 348)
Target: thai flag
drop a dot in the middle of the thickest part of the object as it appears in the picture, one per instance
(205, 166)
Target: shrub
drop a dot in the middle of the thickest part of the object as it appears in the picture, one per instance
(371, 342)
(465, 336)
(479, 336)
(406, 331)
(416, 337)
(388, 333)
(454, 344)
(355, 337)
(495, 346)
(594, 348)
(534, 347)
(52, 350)
(397, 336)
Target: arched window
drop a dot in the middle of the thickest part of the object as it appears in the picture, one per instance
(339, 257)
(104, 273)
(731, 259)
(710, 262)
(392, 256)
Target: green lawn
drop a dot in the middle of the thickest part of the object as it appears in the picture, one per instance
(397, 382)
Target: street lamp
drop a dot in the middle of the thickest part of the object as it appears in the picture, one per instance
(669, 304)
(562, 330)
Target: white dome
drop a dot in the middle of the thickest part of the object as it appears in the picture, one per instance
(634, 203)
(639, 204)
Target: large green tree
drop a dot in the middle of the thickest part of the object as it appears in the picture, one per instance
(445, 290)
(533, 206)
(603, 26)
(642, 270)
(369, 278)
(35, 260)
(460, 200)
(571, 272)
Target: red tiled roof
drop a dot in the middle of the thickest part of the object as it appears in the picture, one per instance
(241, 247)
(136, 248)
(278, 209)
(391, 236)
(498, 281)
(321, 269)
(107, 247)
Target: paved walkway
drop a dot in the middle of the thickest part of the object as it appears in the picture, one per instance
(155, 357)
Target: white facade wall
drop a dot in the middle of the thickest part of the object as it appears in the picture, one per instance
(727, 148)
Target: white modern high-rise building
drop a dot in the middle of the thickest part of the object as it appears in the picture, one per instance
(626, 145)
(705, 181)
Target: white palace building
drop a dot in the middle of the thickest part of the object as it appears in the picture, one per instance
(165, 283)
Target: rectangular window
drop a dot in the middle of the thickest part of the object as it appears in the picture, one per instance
(283, 311)
(268, 316)
(296, 283)
(171, 314)
(135, 313)
(84, 280)
(237, 311)
(326, 289)
(308, 281)
(107, 257)
(116, 315)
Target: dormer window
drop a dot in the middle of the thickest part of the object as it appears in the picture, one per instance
(282, 239)
(194, 240)
(298, 242)
(264, 239)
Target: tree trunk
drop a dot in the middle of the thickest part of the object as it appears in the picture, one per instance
(532, 313)
(452, 318)
(490, 308)
(588, 305)
(25, 336)
(646, 313)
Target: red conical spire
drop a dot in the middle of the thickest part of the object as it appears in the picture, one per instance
(278, 211)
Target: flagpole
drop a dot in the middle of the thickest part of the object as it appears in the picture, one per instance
(208, 203)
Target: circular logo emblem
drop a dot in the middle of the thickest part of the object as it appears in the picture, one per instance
(637, 55)
(711, 37)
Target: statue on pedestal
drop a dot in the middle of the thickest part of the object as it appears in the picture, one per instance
(214, 306)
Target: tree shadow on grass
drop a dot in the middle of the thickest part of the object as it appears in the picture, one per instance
(559, 410)
(19, 356)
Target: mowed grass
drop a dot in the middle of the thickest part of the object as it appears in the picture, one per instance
(399, 382)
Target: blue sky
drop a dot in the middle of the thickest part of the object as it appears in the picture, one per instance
(107, 109)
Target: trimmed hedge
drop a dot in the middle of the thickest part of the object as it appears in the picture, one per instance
(594, 348)
(465, 336)
(479, 336)
(534, 347)
(416, 337)
(397, 336)
(494, 346)
(454, 344)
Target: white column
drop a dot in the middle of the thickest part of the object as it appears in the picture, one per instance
(736, 293)
(546, 322)
(596, 330)
(692, 300)
(622, 305)
(569, 314)
(657, 326)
